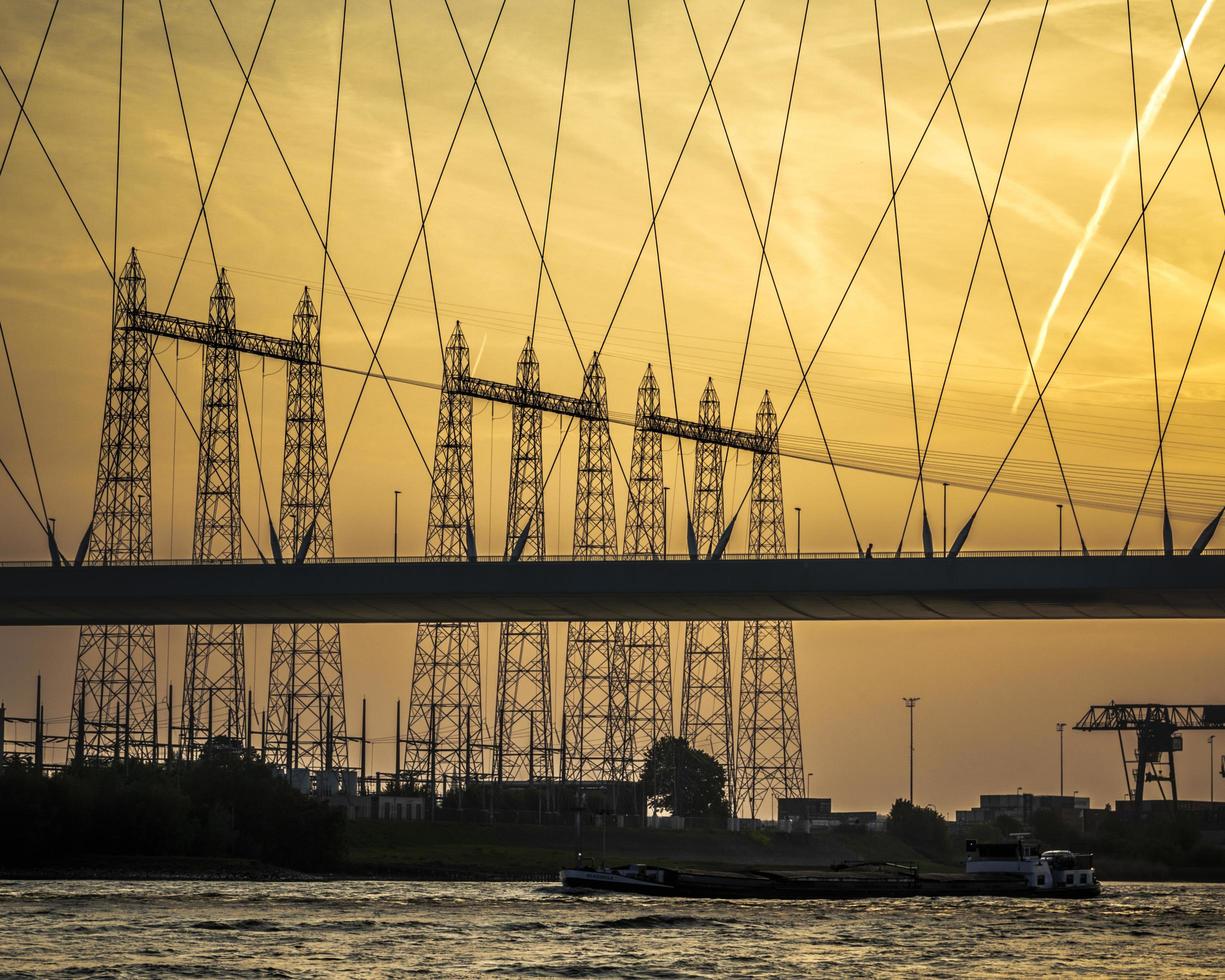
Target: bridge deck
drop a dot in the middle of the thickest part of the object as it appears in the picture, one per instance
(357, 591)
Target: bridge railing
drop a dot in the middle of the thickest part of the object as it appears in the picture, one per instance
(671, 556)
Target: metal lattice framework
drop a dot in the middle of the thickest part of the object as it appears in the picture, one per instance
(306, 718)
(771, 760)
(596, 685)
(646, 644)
(115, 688)
(444, 703)
(706, 688)
(523, 727)
(214, 673)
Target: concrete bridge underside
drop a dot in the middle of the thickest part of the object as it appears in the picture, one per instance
(965, 588)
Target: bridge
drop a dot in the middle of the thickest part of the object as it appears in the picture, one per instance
(356, 590)
(892, 380)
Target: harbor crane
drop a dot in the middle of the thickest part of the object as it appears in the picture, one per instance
(1157, 728)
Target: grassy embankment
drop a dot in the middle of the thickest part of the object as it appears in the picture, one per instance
(451, 850)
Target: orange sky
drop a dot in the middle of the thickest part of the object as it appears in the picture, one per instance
(992, 693)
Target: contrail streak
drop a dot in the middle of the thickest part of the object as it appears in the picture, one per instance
(1151, 110)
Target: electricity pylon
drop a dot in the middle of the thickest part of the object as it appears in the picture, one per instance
(706, 692)
(771, 762)
(115, 686)
(523, 727)
(306, 695)
(596, 684)
(646, 645)
(444, 703)
(214, 674)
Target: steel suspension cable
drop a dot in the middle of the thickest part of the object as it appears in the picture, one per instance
(901, 276)
(774, 283)
(1148, 282)
(225, 142)
(659, 265)
(881, 220)
(646, 238)
(318, 234)
(327, 218)
(118, 147)
(965, 531)
(493, 129)
(419, 238)
(25, 429)
(548, 207)
(765, 238)
(412, 158)
(29, 85)
(106, 267)
(1174, 402)
(989, 229)
(191, 153)
(1182, 44)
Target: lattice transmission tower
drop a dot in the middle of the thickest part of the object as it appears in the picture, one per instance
(646, 644)
(523, 727)
(771, 762)
(444, 703)
(706, 690)
(306, 695)
(596, 683)
(115, 686)
(214, 674)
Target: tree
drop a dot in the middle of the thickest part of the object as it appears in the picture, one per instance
(684, 781)
(920, 827)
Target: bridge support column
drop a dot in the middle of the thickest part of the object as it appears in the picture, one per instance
(306, 693)
(214, 672)
(115, 685)
(771, 761)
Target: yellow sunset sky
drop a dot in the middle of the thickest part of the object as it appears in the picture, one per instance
(991, 692)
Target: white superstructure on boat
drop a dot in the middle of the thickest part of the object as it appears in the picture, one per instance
(1057, 872)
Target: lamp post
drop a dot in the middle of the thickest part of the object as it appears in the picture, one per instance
(395, 526)
(910, 703)
(944, 523)
(1211, 770)
(1059, 727)
(1060, 508)
(797, 532)
(666, 488)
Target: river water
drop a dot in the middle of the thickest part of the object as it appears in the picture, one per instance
(364, 928)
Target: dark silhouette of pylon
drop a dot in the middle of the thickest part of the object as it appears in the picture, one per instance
(214, 675)
(646, 645)
(771, 762)
(115, 688)
(523, 727)
(306, 694)
(706, 691)
(444, 703)
(596, 685)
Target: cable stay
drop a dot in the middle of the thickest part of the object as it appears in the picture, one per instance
(1206, 535)
(901, 275)
(691, 536)
(965, 531)
(1166, 530)
(777, 294)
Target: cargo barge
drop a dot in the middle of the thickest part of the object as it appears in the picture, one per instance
(1013, 870)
